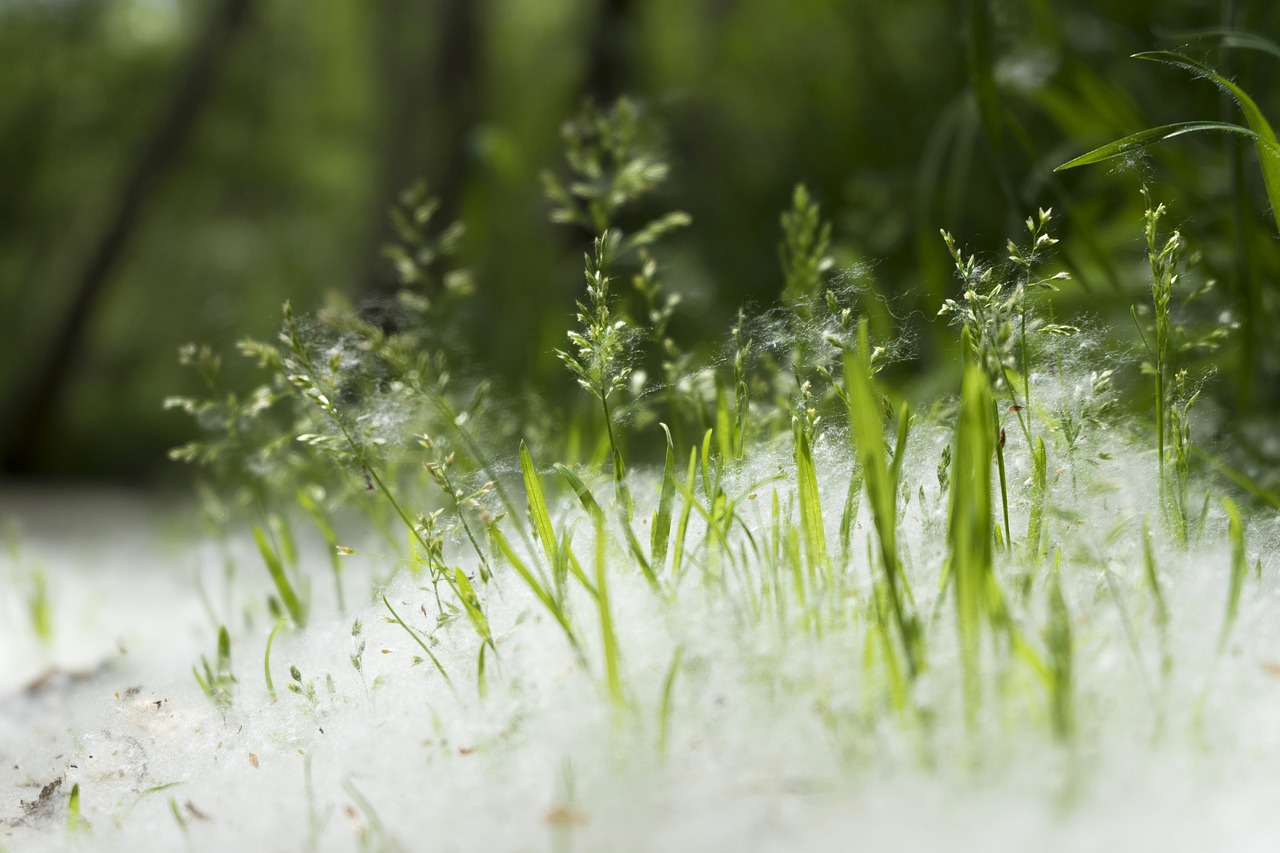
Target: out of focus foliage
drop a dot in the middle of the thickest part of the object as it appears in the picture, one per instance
(901, 118)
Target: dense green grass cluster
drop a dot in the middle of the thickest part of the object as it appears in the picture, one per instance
(957, 589)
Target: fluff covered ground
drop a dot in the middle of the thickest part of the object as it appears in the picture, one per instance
(776, 735)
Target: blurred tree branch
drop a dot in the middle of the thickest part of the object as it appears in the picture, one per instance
(34, 404)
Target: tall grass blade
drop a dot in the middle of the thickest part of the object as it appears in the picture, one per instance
(1039, 494)
(660, 536)
(538, 508)
(289, 597)
(609, 639)
(1239, 569)
(1162, 609)
(1057, 638)
(266, 657)
(969, 527)
(682, 527)
(864, 420)
(811, 524)
(664, 707)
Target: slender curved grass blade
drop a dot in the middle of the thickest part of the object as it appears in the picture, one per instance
(1230, 37)
(580, 489)
(1252, 114)
(266, 657)
(1266, 145)
(1143, 138)
(414, 636)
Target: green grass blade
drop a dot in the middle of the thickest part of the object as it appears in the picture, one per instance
(1039, 493)
(539, 591)
(661, 533)
(811, 525)
(293, 604)
(1057, 637)
(1231, 37)
(75, 822)
(266, 657)
(970, 522)
(868, 431)
(1152, 576)
(1127, 145)
(1252, 114)
(395, 617)
(538, 507)
(580, 489)
(1267, 147)
(1239, 569)
(609, 639)
(852, 502)
(682, 528)
(707, 483)
(664, 707)
(471, 602)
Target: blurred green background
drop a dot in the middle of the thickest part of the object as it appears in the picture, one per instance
(173, 170)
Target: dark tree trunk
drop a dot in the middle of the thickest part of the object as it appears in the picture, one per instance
(431, 111)
(33, 410)
(611, 61)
